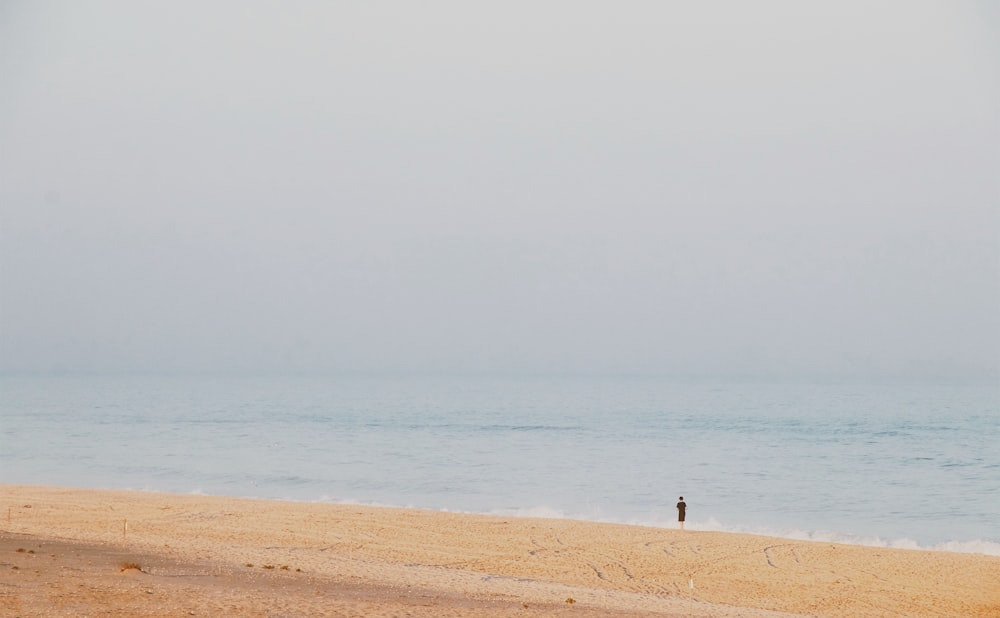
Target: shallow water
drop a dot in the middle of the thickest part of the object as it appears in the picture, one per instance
(906, 464)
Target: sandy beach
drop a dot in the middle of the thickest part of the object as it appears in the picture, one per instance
(75, 552)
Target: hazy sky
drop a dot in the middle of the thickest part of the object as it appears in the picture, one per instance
(643, 187)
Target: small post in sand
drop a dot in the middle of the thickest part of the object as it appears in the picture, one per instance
(124, 528)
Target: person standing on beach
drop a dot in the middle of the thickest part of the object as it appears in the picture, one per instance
(681, 507)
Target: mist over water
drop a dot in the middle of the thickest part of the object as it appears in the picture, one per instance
(902, 463)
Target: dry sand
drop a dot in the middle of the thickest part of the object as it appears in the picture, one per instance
(74, 552)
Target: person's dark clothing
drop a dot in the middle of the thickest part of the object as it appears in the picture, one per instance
(681, 507)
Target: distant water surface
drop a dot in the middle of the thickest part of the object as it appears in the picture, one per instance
(899, 463)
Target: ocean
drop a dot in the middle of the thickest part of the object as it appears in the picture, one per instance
(885, 463)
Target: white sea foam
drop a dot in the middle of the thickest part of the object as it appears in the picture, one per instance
(989, 548)
(539, 512)
(978, 546)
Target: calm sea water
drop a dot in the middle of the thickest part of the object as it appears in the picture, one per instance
(902, 464)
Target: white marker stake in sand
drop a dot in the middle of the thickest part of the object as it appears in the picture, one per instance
(691, 583)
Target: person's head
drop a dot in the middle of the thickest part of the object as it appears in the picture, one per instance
(681, 498)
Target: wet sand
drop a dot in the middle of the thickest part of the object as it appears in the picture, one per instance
(74, 552)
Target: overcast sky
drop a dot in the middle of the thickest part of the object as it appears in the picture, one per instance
(710, 188)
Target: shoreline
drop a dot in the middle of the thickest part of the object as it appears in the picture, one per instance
(980, 546)
(377, 560)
